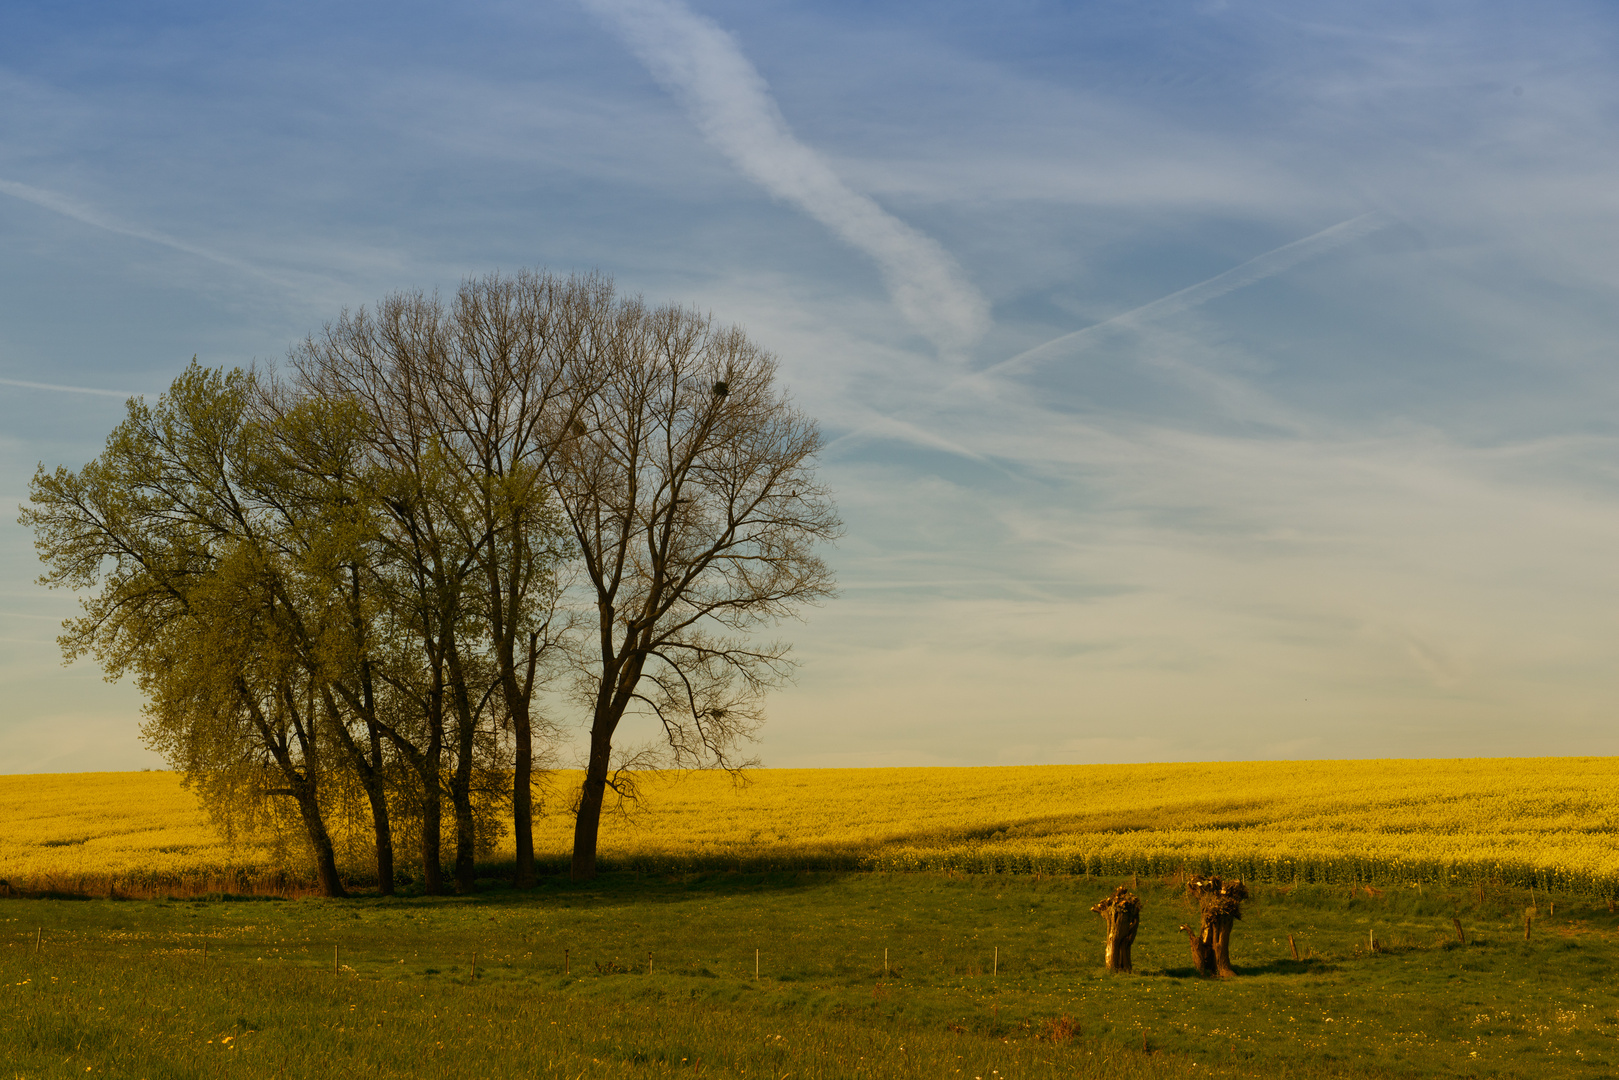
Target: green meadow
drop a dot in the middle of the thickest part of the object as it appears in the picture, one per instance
(805, 975)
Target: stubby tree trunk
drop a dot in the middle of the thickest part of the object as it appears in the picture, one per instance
(1202, 951)
(1121, 912)
(1220, 906)
(1220, 930)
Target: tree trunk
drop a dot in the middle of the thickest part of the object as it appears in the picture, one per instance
(587, 823)
(301, 783)
(376, 791)
(1202, 951)
(461, 779)
(519, 696)
(1121, 913)
(1220, 931)
(432, 809)
(1220, 906)
(320, 840)
(523, 798)
(1121, 934)
(376, 788)
(465, 834)
(369, 769)
(432, 838)
(425, 764)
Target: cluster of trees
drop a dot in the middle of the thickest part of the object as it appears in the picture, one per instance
(356, 583)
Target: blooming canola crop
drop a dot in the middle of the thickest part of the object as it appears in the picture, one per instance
(1544, 821)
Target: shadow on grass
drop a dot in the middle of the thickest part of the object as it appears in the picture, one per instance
(624, 888)
(225, 898)
(1311, 966)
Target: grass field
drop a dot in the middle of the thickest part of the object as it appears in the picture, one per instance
(1548, 822)
(951, 968)
(992, 977)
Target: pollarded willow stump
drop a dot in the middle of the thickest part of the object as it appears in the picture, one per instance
(1122, 914)
(1220, 906)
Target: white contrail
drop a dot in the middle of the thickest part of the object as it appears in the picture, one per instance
(1254, 270)
(905, 431)
(731, 104)
(67, 207)
(1248, 273)
(68, 389)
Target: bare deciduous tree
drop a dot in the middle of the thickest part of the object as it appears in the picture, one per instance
(689, 484)
(467, 403)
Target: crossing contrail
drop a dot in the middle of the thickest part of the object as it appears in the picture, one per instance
(1254, 270)
(1257, 269)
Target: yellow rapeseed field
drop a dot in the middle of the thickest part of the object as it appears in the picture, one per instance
(1549, 821)
(63, 829)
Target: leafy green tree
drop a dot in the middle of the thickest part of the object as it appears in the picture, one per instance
(313, 470)
(190, 588)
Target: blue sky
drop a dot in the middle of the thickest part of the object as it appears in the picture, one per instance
(1201, 380)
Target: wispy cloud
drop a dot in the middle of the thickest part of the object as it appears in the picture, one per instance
(89, 215)
(731, 103)
(26, 385)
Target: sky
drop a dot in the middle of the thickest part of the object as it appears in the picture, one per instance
(1200, 381)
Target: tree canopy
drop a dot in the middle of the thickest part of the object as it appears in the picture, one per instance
(356, 582)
